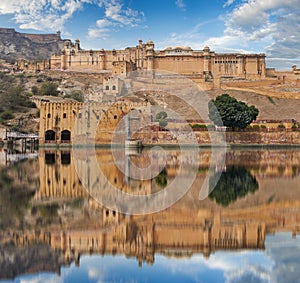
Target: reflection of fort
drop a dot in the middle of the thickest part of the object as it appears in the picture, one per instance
(58, 178)
(189, 227)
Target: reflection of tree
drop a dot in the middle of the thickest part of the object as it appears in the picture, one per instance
(14, 200)
(234, 183)
(162, 178)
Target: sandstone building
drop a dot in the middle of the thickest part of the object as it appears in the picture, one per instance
(60, 122)
(183, 60)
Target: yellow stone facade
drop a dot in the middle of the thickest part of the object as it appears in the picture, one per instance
(182, 60)
(88, 122)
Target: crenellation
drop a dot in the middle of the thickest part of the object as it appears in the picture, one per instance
(182, 60)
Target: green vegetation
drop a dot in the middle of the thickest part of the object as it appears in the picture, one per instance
(13, 97)
(162, 178)
(227, 111)
(236, 182)
(271, 100)
(14, 200)
(34, 90)
(48, 88)
(198, 126)
(76, 95)
(161, 118)
(6, 115)
(271, 198)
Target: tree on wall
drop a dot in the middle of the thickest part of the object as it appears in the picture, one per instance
(228, 111)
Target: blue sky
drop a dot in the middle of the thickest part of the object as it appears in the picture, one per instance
(279, 262)
(248, 26)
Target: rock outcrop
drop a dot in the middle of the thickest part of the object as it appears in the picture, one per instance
(15, 45)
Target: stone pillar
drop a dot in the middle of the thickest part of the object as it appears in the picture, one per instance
(102, 63)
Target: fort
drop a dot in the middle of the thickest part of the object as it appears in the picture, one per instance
(205, 63)
(206, 68)
(39, 38)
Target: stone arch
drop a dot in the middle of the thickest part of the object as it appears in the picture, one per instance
(49, 136)
(65, 136)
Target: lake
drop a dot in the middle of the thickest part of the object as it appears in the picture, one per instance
(151, 215)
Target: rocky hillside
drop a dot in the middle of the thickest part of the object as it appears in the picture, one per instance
(15, 45)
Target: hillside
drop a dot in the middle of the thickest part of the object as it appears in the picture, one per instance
(15, 45)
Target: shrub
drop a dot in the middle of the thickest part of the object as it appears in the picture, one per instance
(6, 115)
(76, 95)
(281, 126)
(48, 88)
(34, 90)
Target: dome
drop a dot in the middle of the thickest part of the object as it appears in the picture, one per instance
(187, 48)
(150, 42)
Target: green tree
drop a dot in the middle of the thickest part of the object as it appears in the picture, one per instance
(228, 111)
(34, 90)
(236, 182)
(48, 88)
(161, 118)
(6, 115)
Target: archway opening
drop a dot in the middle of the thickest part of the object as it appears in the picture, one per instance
(65, 136)
(49, 136)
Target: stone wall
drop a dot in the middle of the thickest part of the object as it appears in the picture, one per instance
(235, 138)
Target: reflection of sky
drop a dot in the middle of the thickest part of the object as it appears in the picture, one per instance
(280, 262)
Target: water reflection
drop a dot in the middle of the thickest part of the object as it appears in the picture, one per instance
(236, 182)
(49, 220)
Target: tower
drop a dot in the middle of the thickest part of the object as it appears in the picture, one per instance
(77, 44)
(150, 54)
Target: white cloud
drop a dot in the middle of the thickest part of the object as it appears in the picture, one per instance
(115, 15)
(274, 22)
(228, 3)
(180, 4)
(252, 26)
(46, 15)
(49, 278)
(51, 15)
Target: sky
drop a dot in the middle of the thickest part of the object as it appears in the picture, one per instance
(247, 26)
(279, 262)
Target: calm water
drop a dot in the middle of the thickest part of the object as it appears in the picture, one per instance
(227, 216)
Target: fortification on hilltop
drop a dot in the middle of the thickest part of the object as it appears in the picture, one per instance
(16, 46)
(182, 60)
(205, 63)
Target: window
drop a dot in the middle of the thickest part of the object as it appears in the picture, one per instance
(107, 87)
(49, 115)
(115, 117)
(113, 87)
(65, 115)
